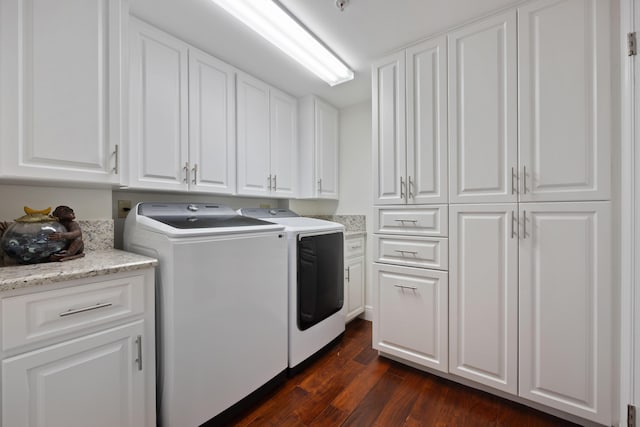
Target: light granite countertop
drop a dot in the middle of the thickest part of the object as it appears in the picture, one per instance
(353, 234)
(94, 263)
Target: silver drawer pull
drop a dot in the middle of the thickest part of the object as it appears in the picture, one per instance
(413, 221)
(139, 350)
(356, 247)
(83, 309)
(406, 252)
(413, 288)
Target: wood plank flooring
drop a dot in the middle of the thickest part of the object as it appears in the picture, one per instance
(350, 385)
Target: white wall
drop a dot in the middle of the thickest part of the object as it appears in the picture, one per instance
(87, 203)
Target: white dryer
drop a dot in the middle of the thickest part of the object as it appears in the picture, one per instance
(316, 280)
(221, 305)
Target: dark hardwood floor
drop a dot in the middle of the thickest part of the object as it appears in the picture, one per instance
(350, 385)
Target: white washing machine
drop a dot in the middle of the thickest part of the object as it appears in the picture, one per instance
(316, 280)
(221, 313)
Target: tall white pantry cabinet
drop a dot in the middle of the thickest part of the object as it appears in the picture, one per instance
(521, 299)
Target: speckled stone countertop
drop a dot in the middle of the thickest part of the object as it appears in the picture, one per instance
(94, 263)
(354, 234)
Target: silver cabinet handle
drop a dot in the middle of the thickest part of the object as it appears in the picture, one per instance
(275, 182)
(320, 185)
(269, 179)
(355, 247)
(410, 188)
(406, 252)
(195, 173)
(413, 288)
(139, 348)
(83, 309)
(513, 220)
(413, 221)
(513, 181)
(116, 155)
(402, 188)
(524, 179)
(186, 173)
(524, 225)
(348, 274)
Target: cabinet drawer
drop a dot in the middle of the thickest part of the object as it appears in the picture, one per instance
(424, 252)
(353, 247)
(413, 221)
(44, 315)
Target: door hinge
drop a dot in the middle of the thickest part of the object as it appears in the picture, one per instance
(631, 416)
(632, 44)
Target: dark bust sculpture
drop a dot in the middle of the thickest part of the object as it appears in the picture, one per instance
(73, 235)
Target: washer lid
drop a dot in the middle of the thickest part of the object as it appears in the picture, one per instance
(186, 219)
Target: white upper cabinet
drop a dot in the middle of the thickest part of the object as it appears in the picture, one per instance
(212, 124)
(266, 139)
(159, 150)
(565, 100)
(60, 79)
(566, 310)
(482, 111)
(389, 129)
(410, 125)
(319, 149)
(182, 116)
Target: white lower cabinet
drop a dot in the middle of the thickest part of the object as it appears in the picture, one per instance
(90, 381)
(353, 277)
(531, 302)
(483, 294)
(411, 314)
(566, 307)
(80, 353)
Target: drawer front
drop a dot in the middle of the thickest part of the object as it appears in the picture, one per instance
(412, 221)
(353, 247)
(424, 252)
(44, 315)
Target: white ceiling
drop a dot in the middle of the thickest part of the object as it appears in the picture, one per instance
(365, 31)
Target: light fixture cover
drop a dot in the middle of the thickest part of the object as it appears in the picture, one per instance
(274, 24)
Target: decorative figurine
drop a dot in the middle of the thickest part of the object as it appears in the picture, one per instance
(73, 235)
(26, 240)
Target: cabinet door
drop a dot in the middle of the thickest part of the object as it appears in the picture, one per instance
(284, 118)
(212, 124)
(354, 287)
(410, 319)
(90, 381)
(482, 111)
(326, 131)
(158, 152)
(254, 175)
(389, 130)
(483, 294)
(565, 100)
(60, 79)
(566, 307)
(427, 122)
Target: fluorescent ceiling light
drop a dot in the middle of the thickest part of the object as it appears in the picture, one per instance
(274, 24)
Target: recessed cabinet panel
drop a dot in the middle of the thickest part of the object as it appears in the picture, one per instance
(482, 111)
(60, 80)
(254, 176)
(389, 129)
(565, 93)
(483, 295)
(354, 287)
(411, 314)
(212, 130)
(159, 130)
(412, 221)
(427, 122)
(565, 300)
